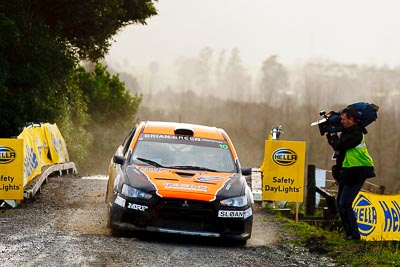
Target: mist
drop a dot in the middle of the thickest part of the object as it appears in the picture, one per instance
(215, 88)
(246, 68)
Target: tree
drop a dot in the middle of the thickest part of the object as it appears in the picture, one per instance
(88, 26)
(111, 109)
(274, 80)
(32, 62)
(195, 73)
(41, 45)
(235, 79)
(204, 80)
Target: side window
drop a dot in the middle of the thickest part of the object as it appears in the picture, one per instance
(128, 140)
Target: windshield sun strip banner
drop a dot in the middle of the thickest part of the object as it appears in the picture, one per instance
(166, 138)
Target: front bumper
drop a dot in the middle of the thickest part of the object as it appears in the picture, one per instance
(178, 216)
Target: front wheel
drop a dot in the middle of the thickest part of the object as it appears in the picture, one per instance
(116, 232)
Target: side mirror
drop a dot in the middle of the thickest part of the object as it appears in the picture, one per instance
(119, 159)
(246, 171)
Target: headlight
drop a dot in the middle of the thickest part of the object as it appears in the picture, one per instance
(235, 202)
(134, 193)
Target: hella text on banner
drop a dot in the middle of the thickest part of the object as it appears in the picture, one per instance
(378, 216)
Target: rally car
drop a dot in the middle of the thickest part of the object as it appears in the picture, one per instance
(179, 178)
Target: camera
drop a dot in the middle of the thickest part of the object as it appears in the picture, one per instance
(331, 121)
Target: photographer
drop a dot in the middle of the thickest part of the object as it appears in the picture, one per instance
(353, 166)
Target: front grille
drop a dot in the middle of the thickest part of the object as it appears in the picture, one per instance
(186, 215)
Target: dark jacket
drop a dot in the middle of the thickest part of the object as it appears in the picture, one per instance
(349, 138)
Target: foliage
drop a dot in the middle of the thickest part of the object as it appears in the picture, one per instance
(73, 123)
(33, 63)
(345, 253)
(41, 45)
(111, 109)
(89, 25)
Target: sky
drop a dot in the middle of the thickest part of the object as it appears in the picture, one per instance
(345, 31)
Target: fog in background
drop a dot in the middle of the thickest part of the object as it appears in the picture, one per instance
(246, 66)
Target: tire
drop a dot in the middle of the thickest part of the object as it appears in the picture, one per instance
(115, 232)
(241, 242)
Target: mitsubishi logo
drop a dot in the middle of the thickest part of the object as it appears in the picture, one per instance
(185, 204)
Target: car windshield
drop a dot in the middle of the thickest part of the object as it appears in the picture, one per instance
(183, 152)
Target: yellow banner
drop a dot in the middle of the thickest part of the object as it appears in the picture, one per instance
(31, 166)
(57, 146)
(11, 166)
(283, 170)
(43, 145)
(378, 216)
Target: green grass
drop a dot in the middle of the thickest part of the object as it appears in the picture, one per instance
(332, 243)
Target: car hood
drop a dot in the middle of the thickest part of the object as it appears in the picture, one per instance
(186, 184)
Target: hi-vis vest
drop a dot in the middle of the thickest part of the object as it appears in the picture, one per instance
(358, 156)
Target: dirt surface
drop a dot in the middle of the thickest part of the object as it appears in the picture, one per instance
(66, 226)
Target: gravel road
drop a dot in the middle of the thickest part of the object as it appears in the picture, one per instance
(66, 226)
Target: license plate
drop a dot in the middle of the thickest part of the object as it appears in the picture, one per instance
(230, 214)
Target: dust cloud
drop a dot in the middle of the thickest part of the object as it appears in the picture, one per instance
(215, 88)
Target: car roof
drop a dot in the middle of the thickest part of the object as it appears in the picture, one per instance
(160, 127)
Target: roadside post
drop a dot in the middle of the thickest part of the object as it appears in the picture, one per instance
(283, 169)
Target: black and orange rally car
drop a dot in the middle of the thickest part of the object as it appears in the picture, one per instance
(179, 178)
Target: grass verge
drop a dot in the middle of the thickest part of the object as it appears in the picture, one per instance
(331, 243)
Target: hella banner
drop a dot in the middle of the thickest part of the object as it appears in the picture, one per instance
(11, 174)
(57, 147)
(43, 145)
(378, 216)
(283, 170)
